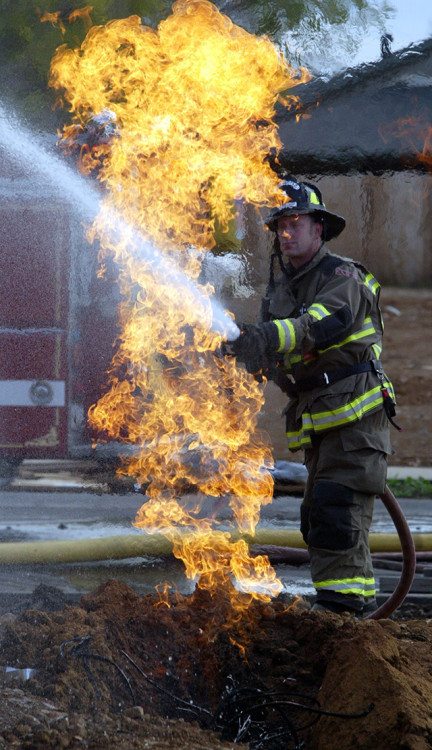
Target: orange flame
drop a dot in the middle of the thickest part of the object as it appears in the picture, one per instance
(425, 155)
(163, 590)
(194, 104)
(54, 18)
(57, 17)
(82, 13)
(416, 132)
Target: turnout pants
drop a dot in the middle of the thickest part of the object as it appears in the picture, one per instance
(347, 468)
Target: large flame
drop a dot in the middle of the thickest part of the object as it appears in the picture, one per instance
(193, 104)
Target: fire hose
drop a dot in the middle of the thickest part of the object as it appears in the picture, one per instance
(408, 544)
(142, 545)
(409, 557)
(125, 546)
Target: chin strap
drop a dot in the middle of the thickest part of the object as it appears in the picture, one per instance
(276, 254)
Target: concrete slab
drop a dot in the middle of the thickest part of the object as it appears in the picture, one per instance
(75, 475)
(58, 482)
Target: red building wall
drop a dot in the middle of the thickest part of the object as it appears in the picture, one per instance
(57, 322)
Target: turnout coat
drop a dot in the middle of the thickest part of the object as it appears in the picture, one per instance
(329, 321)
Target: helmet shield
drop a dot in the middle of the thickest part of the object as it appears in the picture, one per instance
(304, 198)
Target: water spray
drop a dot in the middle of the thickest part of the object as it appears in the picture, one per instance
(32, 155)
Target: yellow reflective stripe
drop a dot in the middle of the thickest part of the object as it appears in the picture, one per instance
(359, 586)
(287, 337)
(357, 592)
(315, 314)
(326, 420)
(332, 581)
(351, 404)
(307, 424)
(367, 329)
(350, 412)
(371, 283)
(300, 438)
(293, 359)
(304, 442)
(318, 311)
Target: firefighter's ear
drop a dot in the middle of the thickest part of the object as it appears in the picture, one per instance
(319, 227)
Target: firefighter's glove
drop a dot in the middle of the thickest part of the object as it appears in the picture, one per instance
(255, 346)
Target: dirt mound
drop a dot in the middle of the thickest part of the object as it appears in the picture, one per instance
(389, 664)
(107, 671)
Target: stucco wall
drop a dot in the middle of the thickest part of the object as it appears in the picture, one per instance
(389, 224)
(389, 227)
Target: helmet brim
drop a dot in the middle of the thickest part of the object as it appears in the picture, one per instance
(333, 224)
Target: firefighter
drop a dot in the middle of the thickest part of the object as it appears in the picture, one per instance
(320, 339)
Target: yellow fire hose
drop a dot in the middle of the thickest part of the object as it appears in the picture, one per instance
(150, 545)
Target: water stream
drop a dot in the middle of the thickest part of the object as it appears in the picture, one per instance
(25, 149)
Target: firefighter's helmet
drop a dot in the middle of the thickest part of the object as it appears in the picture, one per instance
(305, 198)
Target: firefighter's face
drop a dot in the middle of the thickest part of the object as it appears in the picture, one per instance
(299, 238)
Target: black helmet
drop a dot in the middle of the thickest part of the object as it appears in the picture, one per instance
(305, 198)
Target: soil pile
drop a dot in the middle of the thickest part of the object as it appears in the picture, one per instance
(126, 671)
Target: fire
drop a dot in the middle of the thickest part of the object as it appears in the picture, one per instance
(193, 104)
(54, 18)
(57, 18)
(82, 13)
(415, 132)
(423, 131)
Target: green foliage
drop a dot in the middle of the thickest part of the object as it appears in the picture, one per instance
(410, 487)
